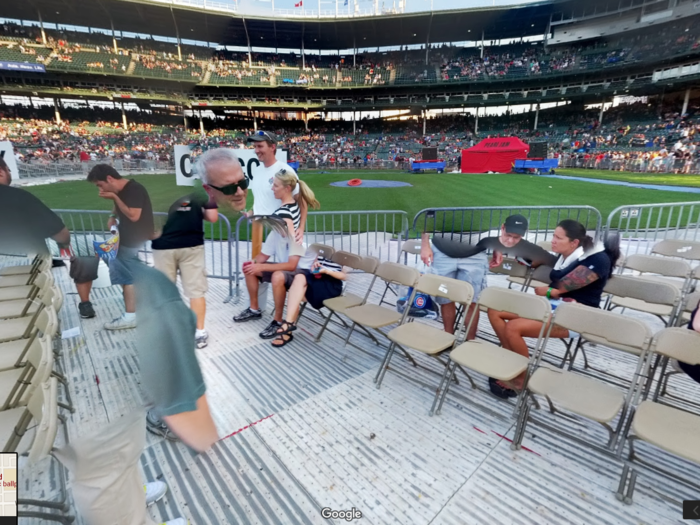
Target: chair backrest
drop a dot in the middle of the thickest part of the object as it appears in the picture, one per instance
(613, 327)
(369, 264)
(347, 259)
(40, 357)
(47, 321)
(411, 246)
(44, 281)
(678, 248)
(522, 304)
(678, 343)
(43, 406)
(456, 291)
(510, 267)
(392, 272)
(691, 301)
(658, 265)
(58, 298)
(323, 250)
(546, 245)
(655, 292)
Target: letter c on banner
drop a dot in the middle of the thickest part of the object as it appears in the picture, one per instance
(183, 159)
(250, 167)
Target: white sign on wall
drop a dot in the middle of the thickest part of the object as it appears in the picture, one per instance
(7, 153)
(249, 162)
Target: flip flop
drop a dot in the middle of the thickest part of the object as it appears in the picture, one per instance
(501, 391)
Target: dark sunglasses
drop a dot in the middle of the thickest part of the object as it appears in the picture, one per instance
(232, 189)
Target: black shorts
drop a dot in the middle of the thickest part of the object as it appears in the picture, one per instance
(320, 288)
(84, 269)
(692, 370)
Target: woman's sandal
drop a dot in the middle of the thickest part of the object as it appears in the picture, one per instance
(282, 332)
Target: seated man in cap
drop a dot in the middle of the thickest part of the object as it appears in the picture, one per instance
(449, 256)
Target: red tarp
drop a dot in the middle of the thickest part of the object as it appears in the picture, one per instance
(497, 154)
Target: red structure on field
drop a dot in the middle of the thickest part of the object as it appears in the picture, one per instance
(496, 154)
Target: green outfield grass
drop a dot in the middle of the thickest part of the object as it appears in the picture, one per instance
(667, 179)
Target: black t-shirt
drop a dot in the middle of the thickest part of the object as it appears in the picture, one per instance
(184, 228)
(589, 295)
(133, 234)
(25, 222)
(525, 250)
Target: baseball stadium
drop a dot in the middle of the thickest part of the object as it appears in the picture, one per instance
(447, 252)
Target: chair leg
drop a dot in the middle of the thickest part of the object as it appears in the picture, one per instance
(446, 374)
(630, 488)
(385, 366)
(323, 328)
(446, 388)
(68, 405)
(522, 424)
(660, 364)
(381, 366)
(66, 520)
(620, 494)
(347, 339)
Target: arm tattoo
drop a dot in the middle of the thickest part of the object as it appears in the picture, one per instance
(578, 278)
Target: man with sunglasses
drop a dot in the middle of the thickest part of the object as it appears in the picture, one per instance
(264, 201)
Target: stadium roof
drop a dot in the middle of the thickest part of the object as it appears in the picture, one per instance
(152, 17)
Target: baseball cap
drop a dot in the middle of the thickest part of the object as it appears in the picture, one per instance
(516, 224)
(260, 136)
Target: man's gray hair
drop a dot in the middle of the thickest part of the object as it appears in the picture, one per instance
(214, 156)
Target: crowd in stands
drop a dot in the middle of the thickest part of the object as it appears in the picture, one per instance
(439, 63)
(639, 136)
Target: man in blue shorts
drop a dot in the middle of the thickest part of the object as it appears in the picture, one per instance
(132, 208)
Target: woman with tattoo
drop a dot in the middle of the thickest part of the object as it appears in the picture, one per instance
(579, 275)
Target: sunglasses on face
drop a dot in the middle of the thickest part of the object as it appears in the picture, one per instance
(232, 189)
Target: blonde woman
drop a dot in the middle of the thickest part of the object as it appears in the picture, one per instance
(283, 187)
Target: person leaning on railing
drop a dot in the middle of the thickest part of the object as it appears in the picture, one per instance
(579, 275)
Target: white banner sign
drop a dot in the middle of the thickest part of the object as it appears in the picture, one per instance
(249, 161)
(7, 154)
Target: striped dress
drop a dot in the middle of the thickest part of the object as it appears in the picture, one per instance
(291, 212)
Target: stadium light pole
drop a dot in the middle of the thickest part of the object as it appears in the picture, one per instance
(685, 102)
(537, 116)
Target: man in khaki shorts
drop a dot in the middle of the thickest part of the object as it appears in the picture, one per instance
(181, 247)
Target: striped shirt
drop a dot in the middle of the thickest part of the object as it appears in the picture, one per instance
(329, 265)
(291, 212)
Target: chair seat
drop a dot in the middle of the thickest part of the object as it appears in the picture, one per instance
(642, 306)
(10, 309)
(342, 303)
(421, 337)
(15, 292)
(6, 281)
(574, 393)
(617, 346)
(10, 352)
(22, 269)
(11, 329)
(489, 359)
(670, 429)
(8, 421)
(373, 315)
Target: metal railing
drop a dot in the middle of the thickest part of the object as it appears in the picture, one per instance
(379, 233)
(640, 226)
(88, 226)
(638, 165)
(471, 224)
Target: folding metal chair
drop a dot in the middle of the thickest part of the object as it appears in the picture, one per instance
(12, 353)
(338, 305)
(487, 358)
(18, 384)
(667, 428)
(23, 269)
(29, 305)
(7, 281)
(374, 316)
(26, 291)
(574, 396)
(538, 276)
(682, 249)
(420, 336)
(656, 296)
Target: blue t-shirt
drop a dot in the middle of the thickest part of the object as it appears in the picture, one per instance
(589, 295)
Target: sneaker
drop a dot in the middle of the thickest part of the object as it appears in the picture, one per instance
(202, 341)
(120, 324)
(86, 310)
(155, 426)
(176, 521)
(247, 315)
(271, 330)
(155, 490)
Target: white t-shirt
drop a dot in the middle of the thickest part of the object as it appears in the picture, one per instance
(264, 202)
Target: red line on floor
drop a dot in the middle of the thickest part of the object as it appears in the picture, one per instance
(510, 441)
(245, 427)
